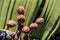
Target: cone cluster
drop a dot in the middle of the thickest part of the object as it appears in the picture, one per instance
(21, 19)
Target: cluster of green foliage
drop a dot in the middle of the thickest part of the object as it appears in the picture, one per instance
(50, 12)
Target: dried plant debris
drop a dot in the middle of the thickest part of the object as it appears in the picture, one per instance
(8, 35)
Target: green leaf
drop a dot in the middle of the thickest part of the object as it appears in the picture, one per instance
(50, 12)
(3, 13)
(31, 12)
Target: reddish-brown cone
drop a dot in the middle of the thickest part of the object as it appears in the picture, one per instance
(21, 18)
(40, 21)
(25, 29)
(15, 37)
(11, 23)
(33, 26)
(20, 10)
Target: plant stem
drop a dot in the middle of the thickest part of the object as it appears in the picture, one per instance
(29, 35)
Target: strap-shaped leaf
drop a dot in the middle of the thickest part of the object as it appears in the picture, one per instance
(12, 13)
(50, 13)
(54, 30)
(3, 13)
(32, 12)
